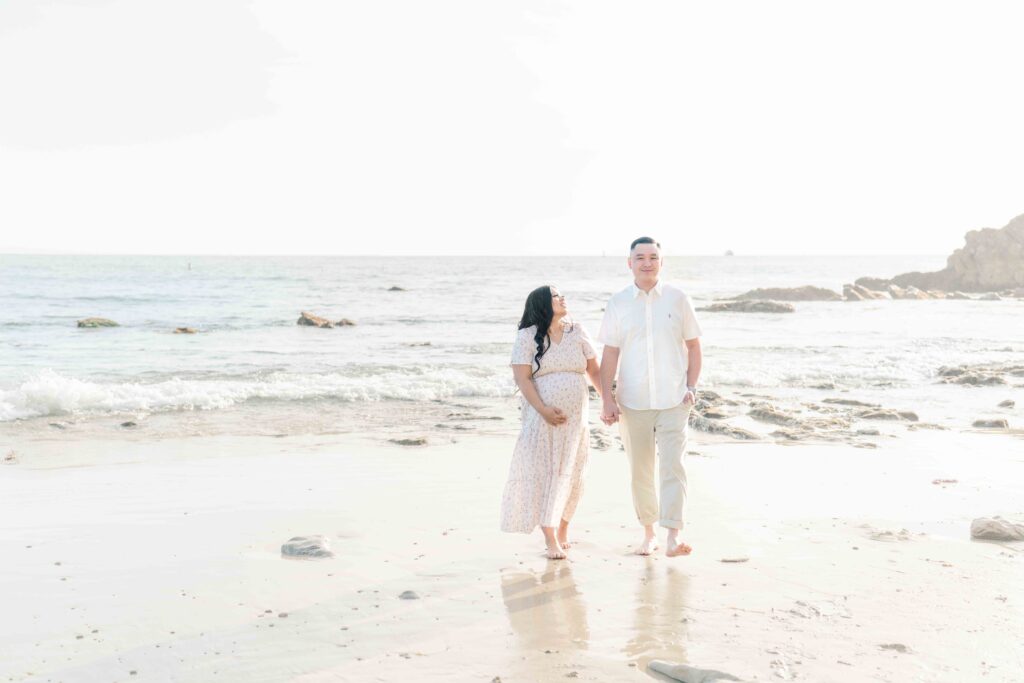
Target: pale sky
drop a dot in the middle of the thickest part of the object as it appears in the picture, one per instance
(477, 127)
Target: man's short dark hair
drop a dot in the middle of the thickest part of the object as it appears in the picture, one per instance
(643, 240)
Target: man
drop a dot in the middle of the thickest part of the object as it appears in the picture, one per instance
(651, 335)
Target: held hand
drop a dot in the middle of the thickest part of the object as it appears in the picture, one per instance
(553, 416)
(690, 399)
(610, 412)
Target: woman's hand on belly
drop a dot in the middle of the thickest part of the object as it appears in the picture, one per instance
(553, 416)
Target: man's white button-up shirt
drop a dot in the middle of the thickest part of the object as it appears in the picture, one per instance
(649, 329)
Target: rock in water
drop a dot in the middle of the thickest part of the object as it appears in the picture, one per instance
(807, 293)
(184, 330)
(1007, 404)
(307, 546)
(851, 294)
(996, 529)
(409, 595)
(999, 423)
(749, 306)
(313, 320)
(396, 288)
(689, 674)
(345, 322)
(97, 322)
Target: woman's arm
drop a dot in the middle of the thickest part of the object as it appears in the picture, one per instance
(594, 373)
(524, 380)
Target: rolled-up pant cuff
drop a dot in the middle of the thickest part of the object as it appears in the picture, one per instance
(670, 523)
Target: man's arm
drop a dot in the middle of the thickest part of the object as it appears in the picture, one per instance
(694, 358)
(609, 365)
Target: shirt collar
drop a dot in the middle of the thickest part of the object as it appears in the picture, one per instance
(656, 289)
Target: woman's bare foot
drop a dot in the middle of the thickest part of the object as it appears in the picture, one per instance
(563, 535)
(555, 551)
(649, 545)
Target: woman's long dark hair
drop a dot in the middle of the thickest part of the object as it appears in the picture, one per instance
(539, 311)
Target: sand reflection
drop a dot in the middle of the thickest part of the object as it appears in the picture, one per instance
(545, 609)
(659, 627)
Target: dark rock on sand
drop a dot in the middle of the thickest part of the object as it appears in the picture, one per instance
(767, 413)
(806, 293)
(998, 423)
(315, 546)
(749, 306)
(97, 322)
(1007, 404)
(129, 424)
(600, 439)
(396, 288)
(849, 402)
(311, 320)
(886, 414)
(409, 595)
(996, 529)
(689, 674)
(417, 441)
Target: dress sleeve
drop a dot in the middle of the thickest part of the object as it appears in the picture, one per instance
(524, 348)
(586, 344)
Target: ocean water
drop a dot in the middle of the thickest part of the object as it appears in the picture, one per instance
(443, 340)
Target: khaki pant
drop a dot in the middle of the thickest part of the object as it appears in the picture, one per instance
(640, 430)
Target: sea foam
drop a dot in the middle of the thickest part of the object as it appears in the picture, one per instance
(50, 393)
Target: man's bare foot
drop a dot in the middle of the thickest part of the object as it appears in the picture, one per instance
(649, 545)
(555, 552)
(677, 549)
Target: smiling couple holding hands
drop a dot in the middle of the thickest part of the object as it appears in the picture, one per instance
(651, 339)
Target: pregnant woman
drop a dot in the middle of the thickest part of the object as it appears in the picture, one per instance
(549, 360)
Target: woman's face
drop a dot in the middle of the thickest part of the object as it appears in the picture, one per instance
(558, 303)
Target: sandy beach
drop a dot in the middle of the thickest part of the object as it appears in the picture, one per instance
(161, 561)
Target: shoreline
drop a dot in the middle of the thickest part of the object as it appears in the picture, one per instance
(168, 563)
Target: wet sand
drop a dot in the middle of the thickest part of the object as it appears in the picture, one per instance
(161, 561)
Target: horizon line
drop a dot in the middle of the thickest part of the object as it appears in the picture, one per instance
(438, 254)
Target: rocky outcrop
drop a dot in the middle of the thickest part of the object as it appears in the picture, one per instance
(990, 260)
(97, 322)
(749, 306)
(807, 293)
(996, 529)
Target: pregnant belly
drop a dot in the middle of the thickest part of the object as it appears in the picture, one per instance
(565, 390)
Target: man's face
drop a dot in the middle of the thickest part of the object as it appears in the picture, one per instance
(645, 262)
